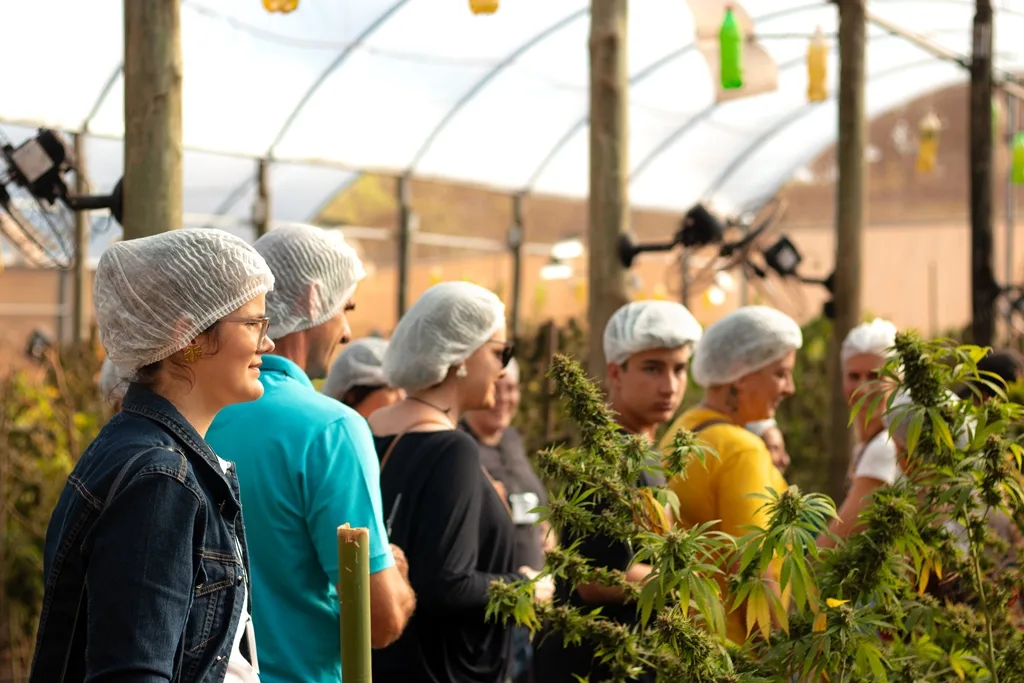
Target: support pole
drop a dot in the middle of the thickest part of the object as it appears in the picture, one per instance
(515, 245)
(983, 284)
(152, 117)
(1011, 206)
(404, 252)
(849, 224)
(609, 145)
(79, 331)
(261, 209)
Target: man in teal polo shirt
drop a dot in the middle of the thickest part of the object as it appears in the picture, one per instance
(306, 464)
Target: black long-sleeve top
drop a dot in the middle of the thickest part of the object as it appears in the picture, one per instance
(458, 537)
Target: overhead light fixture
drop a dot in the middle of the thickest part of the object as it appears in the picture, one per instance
(39, 165)
(783, 257)
(555, 269)
(715, 295)
(567, 248)
(724, 281)
(698, 228)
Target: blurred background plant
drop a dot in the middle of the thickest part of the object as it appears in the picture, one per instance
(47, 417)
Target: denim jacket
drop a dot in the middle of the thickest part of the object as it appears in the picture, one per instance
(143, 576)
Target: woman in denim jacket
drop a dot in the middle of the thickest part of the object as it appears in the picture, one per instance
(145, 561)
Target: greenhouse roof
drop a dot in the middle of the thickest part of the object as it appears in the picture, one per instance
(425, 88)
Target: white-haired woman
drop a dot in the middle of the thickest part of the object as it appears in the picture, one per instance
(145, 563)
(874, 462)
(356, 377)
(745, 364)
(440, 505)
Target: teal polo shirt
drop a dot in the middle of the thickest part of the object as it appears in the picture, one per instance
(306, 464)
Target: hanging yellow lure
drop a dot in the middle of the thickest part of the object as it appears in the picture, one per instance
(284, 6)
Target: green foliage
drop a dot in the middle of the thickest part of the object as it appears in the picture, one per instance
(44, 425)
(804, 423)
(924, 593)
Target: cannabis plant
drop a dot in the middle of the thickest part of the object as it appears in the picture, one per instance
(925, 591)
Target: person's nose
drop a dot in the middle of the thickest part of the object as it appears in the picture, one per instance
(788, 387)
(268, 346)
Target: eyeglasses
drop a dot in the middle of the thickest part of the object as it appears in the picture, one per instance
(264, 325)
(508, 350)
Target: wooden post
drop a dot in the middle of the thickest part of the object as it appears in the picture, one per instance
(405, 246)
(354, 594)
(152, 117)
(1011, 206)
(515, 246)
(609, 146)
(849, 224)
(983, 284)
(261, 211)
(79, 333)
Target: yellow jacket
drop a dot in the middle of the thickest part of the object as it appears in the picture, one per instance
(720, 489)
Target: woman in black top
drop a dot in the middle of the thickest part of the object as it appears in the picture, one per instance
(439, 503)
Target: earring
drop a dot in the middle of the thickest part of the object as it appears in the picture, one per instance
(193, 353)
(462, 372)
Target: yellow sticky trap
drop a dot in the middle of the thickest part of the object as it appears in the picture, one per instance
(283, 6)
(483, 6)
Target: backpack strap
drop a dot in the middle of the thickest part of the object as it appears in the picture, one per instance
(709, 423)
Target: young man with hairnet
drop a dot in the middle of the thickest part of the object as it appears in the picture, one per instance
(647, 345)
(306, 465)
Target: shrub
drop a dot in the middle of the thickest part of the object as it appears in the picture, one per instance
(44, 426)
(868, 609)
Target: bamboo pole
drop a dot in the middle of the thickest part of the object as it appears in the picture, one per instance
(354, 594)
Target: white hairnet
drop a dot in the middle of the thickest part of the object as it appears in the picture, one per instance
(111, 380)
(155, 295)
(897, 418)
(645, 325)
(875, 337)
(359, 364)
(759, 427)
(742, 343)
(317, 273)
(442, 329)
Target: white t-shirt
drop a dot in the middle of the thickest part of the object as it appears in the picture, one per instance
(878, 460)
(239, 668)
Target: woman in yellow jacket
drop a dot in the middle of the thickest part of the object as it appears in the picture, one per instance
(745, 364)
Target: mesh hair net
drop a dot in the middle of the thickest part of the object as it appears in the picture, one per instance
(110, 380)
(742, 343)
(359, 364)
(445, 326)
(875, 337)
(155, 295)
(317, 273)
(645, 325)
(759, 427)
(897, 418)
